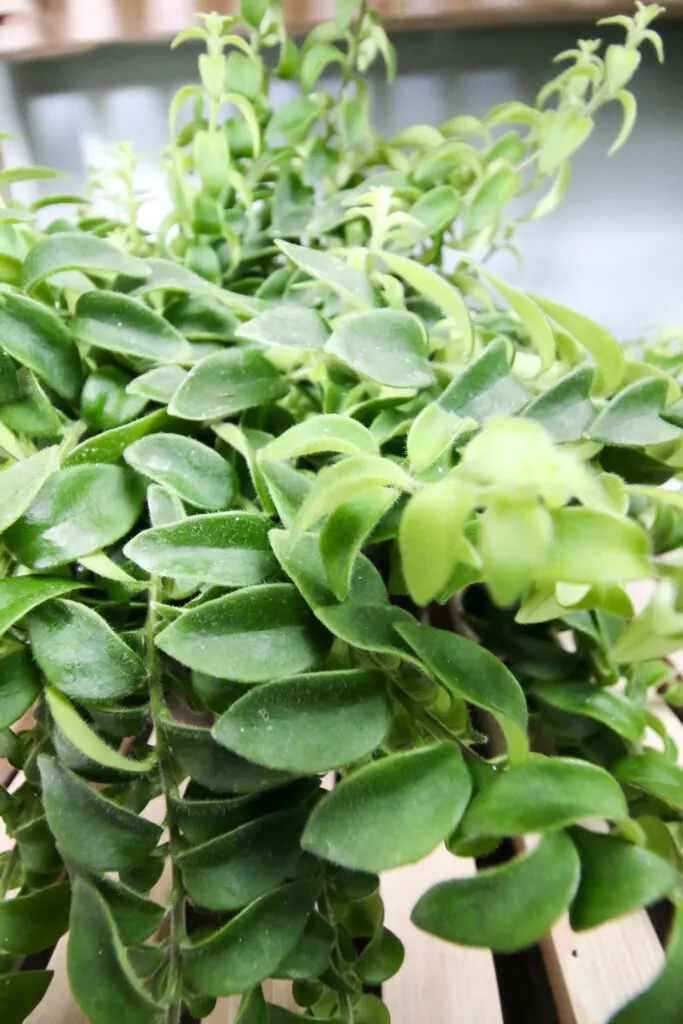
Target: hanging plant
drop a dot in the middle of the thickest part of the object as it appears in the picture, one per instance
(241, 454)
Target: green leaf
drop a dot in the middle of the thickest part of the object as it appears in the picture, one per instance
(105, 401)
(430, 536)
(661, 1002)
(90, 829)
(515, 540)
(339, 483)
(20, 994)
(78, 251)
(504, 908)
(654, 774)
(391, 812)
(201, 317)
(633, 418)
(81, 655)
(192, 470)
(232, 870)
(29, 924)
(309, 723)
(296, 116)
(311, 955)
(253, 11)
(381, 959)
(435, 210)
(225, 383)
(565, 410)
(293, 327)
(434, 287)
(486, 387)
(228, 549)
(542, 795)
(595, 547)
(490, 199)
(611, 708)
(20, 483)
(20, 684)
(323, 433)
(135, 917)
(117, 323)
(533, 318)
(86, 740)
(568, 131)
(353, 286)
(315, 60)
(37, 338)
(77, 512)
(159, 384)
(386, 345)
(606, 351)
(104, 986)
(345, 531)
(110, 445)
(22, 593)
(475, 674)
(286, 487)
(32, 414)
(253, 635)
(629, 106)
(12, 175)
(249, 948)
(431, 434)
(617, 878)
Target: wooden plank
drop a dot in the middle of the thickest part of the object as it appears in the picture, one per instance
(438, 982)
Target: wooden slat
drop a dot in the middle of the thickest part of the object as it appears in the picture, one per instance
(438, 982)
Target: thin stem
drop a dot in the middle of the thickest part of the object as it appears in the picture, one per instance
(169, 790)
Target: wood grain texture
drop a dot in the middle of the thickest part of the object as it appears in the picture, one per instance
(438, 982)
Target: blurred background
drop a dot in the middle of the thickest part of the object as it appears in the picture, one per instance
(613, 249)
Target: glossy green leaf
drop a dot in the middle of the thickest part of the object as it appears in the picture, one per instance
(36, 337)
(159, 384)
(233, 870)
(504, 908)
(616, 878)
(606, 351)
(386, 345)
(295, 327)
(589, 546)
(435, 288)
(610, 707)
(193, 471)
(345, 531)
(324, 433)
(391, 812)
(29, 924)
(117, 323)
(544, 794)
(80, 653)
(249, 948)
(225, 383)
(78, 251)
(90, 829)
(381, 959)
(339, 483)
(77, 512)
(633, 417)
(654, 774)
(20, 994)
(661, 1002)
(486, 387)
(309, 723)
(20, 684)
(84, 739)
(430, 536)
(201, 317)
(21, 482)
(312, 953)
(228, 549)
(475, 674)
(253, 635)
(565, 410)
(105, 403)
(22, 593)
(353, 286)
(104, 986)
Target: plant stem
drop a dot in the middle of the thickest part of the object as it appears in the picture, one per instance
(169, 790)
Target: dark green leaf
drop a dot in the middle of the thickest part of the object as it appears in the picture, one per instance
(191, 469)
(110, 445)
(29, 924)
(611, 708)
(22, 593)
(663, 1001)
(654, 774)
(90, 829)
(86, 741)
(391, 812)
(118, 323)
(135, 917)
(295, 327)
(381, 959)
(21, 993)
(20, 483)
(202, 819)
(78, 251)
(350, 283)
(77, 512)
(159, 384)
(20, 684)
(504, 908)
(309, 723)
(249, 948)
(386, 345)
(37, 338)
(105, 402)
(345, 531)
(201, 318)
(225, 383)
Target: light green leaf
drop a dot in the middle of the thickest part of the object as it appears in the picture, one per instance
(21, 482)
(486, 387)
(314, 62)
(118, 323)
(353, 286)
(38, 338)
(606, 351)
(565, 410)
(78, 251)
(633, 417)
(431, 434)
(630, 110)
(595, 547)
(323, 433)
(435, 288)
(504, 908)
(568, 131)
(295, 327)
(110, 445)
(391, 812)
(253, 635)
(159, 384)
(345, 531)
(309, 723)
(386, 345)
(18, 595)
(81, 655)
(494, 193)
(12, 175)
(345, 480)
(195, 472)
(533, 318)
(86, 740)
(662, 1002)
(225, 383)
(514, 542)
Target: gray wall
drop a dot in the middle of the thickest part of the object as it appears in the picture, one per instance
(615, 247)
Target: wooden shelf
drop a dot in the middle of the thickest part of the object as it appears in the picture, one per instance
(38, 28)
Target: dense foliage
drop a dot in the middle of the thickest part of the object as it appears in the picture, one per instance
(240, 455)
